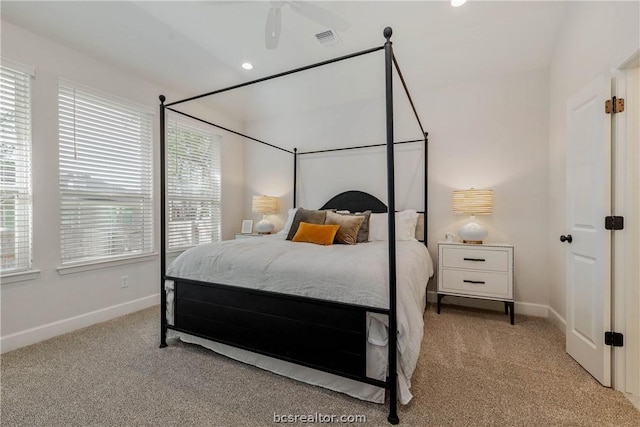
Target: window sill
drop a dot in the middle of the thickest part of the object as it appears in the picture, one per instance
(19, 276)
(97, 265)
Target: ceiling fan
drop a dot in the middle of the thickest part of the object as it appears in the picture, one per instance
(309, 10)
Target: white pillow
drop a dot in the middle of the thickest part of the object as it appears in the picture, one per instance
(287, 224)
(406, 222)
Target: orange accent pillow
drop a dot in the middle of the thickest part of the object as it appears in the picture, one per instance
(315, 233)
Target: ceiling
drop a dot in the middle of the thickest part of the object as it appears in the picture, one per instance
(198, 46)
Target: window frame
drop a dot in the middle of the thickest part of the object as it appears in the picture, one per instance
(105, 195)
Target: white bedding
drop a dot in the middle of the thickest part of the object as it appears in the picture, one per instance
(355, 274)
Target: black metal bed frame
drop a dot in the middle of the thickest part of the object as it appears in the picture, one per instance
(325, 335)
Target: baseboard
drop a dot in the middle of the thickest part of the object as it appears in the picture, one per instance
(44, 332)
(526, 308)
(557, 320)
(634, 399)
(531, 309)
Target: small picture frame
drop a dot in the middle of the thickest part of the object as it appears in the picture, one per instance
(247, 226)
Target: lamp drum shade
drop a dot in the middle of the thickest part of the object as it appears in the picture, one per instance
(266, 205)
(472, 202)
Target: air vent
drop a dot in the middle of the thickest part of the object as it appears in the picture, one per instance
(328, 38)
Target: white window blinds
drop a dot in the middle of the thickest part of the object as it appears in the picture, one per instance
(106, 208)
(15, 170)
(194, 186)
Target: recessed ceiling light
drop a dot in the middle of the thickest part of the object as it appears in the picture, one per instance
(456, 3)
(247, 65)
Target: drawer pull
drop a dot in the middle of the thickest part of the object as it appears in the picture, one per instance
(476, 282)
(474, 259)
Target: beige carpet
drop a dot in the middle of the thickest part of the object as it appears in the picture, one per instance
(475, 369)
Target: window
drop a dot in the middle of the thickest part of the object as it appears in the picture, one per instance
(194, 186)
(15, 169)
(106, 206)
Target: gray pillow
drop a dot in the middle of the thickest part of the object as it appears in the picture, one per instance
(308, 216)
(363, 232)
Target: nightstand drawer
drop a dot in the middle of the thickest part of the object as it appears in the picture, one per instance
(475, 259)
(478, 283)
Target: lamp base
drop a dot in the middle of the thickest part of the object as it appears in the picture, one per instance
(263, 226)
(473, 232)
(472, 242)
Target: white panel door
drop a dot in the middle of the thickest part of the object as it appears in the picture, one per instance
(587, 242)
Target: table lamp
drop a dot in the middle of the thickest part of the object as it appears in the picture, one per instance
(266, 205)
(473, 202)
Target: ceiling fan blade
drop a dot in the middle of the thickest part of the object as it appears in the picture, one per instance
(320, 15)
(273, 28)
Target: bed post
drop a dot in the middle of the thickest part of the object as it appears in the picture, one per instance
(391, 202)
(163, 249)
(295, 172)
(426, 183)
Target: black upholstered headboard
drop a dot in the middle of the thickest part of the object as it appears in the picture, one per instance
(356, 201)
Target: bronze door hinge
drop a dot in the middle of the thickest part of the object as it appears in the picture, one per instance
(614, 105)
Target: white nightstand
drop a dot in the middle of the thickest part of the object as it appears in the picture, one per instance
(476, 271)
(247, 235)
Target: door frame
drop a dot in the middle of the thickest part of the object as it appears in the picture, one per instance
(626, 243)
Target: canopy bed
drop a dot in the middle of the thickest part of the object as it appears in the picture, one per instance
(274, 297)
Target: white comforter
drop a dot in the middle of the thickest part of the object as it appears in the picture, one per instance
(356, 274)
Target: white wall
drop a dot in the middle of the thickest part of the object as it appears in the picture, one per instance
(496, 138)
(596, 38)
(52, 303)
(488, 133)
